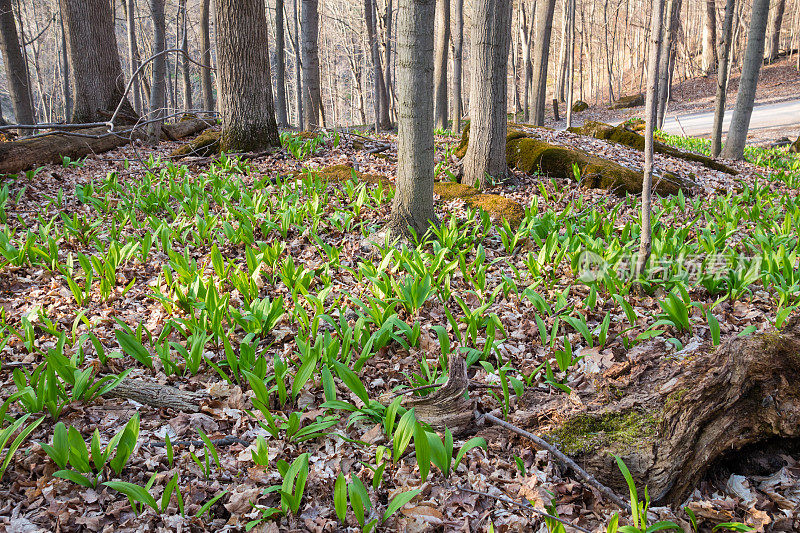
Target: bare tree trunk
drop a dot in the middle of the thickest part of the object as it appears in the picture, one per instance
(541, 55)
(491, 37)
(280, 67)
(312, 98)
(709, 37)
(571, 67)
(298, 64)
(413, 201)
(65, 71)
(753, 57)
(387, 66)
(94, 63)
(206, 85)
(245, 82)
(775, 30)
(722, 78)
(666, 59)
(187, 80)
(527, 71)
(381, 98)
(158, 88)
(656, 25)
(133, 52)
(562, 55)
(16, 70)
(441, 40)
(458, 55)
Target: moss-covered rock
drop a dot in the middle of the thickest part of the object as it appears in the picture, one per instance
(625, 102)
(341, 173)
(499, 207)
(447, 190)
(579, 106)
(204, 145)
(795, 147)
(620, 134)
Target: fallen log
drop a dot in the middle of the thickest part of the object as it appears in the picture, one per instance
(620, 134)
(156, 395)
(674, 419)
(16, 156)
(625, 102)
(528, 154)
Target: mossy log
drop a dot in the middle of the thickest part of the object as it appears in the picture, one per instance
(795, 148)
(625, 102)
(499, 207)
(16, 156)
(529, 155)
(620, 134)
(675, 419)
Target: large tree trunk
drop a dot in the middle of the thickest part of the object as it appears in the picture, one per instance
(185, 69)
(441, 41)
(709, 57)
(133, 52)
(206, 85)
(245, 82)
(491, 37)
(17, 156)
(651, 103)
(97, 79)
(775, 30)
(413, 201)
(381, 99)
(16, 69)
(458, 58)
(667, 58)
(158, 87)
(754, 55)
(298, 77)
(280, 67)
(64, 53)
(312, 98)
(722, 79)
(541, 56)
(685, 414)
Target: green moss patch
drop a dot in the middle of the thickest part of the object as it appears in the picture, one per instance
(448, 190)
(342, 173)
(579, 106)
(204, 145)
(618, 432)
(498, 207)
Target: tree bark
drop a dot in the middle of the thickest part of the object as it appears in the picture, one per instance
(206, 85)
(775, 30)
(185, 68)
(571, 67)
(65, 71)
(158, 88)
(381, 99)
(97, 79)
(16, 69)
(656, 26)
(562, 54)
(298, 77)
(745, 98)
(541, 55)
(312, 98)
(491, 38)
(666, 59)
(709, 57)
(458, 58)
(412, 209)
(245, 82)
(133, 53)
(441, 41)
(280, 67)
(527, 69)
(722, 79)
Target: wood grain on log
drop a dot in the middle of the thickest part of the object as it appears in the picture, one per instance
(16, 156)
(157, 395)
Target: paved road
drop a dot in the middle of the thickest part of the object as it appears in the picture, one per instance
(781, 114)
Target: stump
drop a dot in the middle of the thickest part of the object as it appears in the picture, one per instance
(672, 418)
(795, 148)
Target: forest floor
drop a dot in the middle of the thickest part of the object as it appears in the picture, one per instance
(216, 276)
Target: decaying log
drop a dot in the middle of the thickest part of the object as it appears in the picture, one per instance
(620, 134)
(448, 406)
(156, 395)
(672, 418)
(16, 156)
